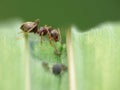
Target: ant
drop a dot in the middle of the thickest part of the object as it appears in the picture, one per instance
(53, 34)
(30, 26)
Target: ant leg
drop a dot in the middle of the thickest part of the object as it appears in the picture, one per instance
(56, 51)
(59, 35)
(51, 42)
(41, 41)
(41, 38)
(50, 38)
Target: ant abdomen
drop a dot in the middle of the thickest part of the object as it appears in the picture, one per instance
(30, 26)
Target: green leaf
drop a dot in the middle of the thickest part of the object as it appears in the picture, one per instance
(11, 57)
(94, 58)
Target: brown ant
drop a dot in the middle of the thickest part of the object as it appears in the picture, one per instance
(30, 26)
(53, 34)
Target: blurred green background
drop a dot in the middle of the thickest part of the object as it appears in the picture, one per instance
(83, 13)
(58, 13)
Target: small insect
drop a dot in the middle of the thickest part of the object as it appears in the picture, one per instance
(45, 66)
(58, 69)
(30, 26)
(53, 34)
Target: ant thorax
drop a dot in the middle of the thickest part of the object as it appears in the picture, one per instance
(44, 30)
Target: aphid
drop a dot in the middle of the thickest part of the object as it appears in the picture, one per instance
(30, 26)
(57, 69)
(45, 66)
